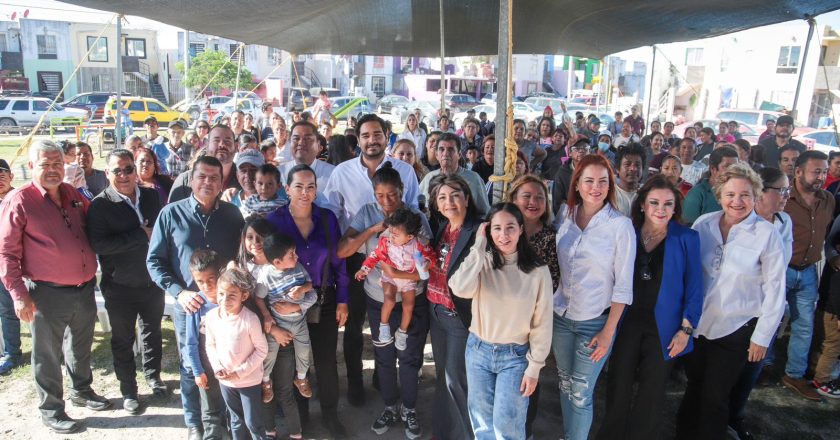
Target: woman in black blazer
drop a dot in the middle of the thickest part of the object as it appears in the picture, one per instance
(455, 222)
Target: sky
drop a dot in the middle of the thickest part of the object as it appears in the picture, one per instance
(167, 35)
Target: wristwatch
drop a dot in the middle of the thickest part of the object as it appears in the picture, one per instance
(687, 330)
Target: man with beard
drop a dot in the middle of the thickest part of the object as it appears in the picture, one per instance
(348, 190)
(447, 153)
(811, 208)
(200, 221)
(630, 160)
(772, 146)
(221, 144)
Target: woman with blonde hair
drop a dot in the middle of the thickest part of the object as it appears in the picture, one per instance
(413, 133)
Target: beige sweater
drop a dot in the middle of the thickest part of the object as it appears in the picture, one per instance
(509, 306)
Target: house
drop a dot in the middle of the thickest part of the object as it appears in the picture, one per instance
(826, 106)
(47, 55)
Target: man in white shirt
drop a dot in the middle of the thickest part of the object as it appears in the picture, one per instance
(304, 148)
(448, 155)
(630, 160)
(349, 188)
(626, 136)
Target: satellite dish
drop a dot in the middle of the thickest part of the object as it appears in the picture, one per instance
(14, 14)
(26, 13)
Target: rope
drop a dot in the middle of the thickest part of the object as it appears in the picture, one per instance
(511, 147)
(24, 146)
(303, 97)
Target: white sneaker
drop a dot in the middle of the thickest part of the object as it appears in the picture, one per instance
(385, 337)
(400, 338)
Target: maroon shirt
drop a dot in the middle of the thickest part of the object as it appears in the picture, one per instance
(43, 242)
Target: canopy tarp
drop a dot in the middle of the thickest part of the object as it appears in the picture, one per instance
(592, 28)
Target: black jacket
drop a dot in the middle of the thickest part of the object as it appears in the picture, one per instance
(116, 236)
(562, 181)
(462, 248)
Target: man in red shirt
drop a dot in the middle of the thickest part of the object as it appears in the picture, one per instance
(49, 268)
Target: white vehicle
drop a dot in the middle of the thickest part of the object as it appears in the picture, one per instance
(26, 111)
(521, 110)
(246, 105)
(820, 140)
(458, 118)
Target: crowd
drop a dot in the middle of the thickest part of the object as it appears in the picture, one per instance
(619, 249)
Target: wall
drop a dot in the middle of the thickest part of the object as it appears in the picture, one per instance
(29, 29)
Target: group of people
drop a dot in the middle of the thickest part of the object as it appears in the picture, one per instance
(634, 254)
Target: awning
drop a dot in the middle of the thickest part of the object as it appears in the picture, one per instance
(592, 28)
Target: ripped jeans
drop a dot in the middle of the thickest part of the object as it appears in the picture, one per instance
(578, 373)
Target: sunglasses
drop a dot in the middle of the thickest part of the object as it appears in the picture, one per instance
(127, 171)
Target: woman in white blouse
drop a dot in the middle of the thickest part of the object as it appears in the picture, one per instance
(744, 279)
(414, 133)
(769, 205)
(596, 249)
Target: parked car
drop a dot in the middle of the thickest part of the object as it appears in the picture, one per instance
(246, 105)
(250, 96)
(190, 107)
(141, 108)
(821, 140)
(216, 101)
(340, 101)
(26, 111)
(298, 99)
(93, 102)
(757, 119)
(428, 112)
(460, 101)
(393, 104)
(747, 132)
(490, 109)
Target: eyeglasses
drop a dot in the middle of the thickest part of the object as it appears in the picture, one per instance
(783, 191)
(127, 171)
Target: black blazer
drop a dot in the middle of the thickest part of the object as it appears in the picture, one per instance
(462, 248)
(116, 236)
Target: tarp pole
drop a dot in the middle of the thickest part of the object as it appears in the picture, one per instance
(238, 73)
(650, 88)
(605, 85)
(502, 92)
(443, 88)
(811, 25)
(187, 93)
(118, 104)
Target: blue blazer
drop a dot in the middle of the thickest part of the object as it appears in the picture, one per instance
(681, 291)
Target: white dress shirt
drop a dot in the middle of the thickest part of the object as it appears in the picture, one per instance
(596, 264)
(323, 171)
(784, 224)
(419, 139)
(624, 200)
(744, 278)
(350, 188)
(135, 204)
(694, 172)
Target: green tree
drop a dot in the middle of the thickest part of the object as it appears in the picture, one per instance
(204, 66)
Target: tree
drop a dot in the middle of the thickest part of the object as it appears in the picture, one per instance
(204, 66)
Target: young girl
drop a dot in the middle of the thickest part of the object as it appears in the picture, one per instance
(236, 348)
(397, 248)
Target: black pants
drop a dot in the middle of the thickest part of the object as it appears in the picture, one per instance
(636, 358)
(324, 337)
(353, 340)
(712, 369)
(124, 306)
(410, 359)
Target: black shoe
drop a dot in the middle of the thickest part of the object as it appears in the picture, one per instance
(90, 400)
(356, 395)
(61, 424)
(743, 434)
(337, 430)
(131, 404)
(159, 387)
(387, 419)
(194, 433)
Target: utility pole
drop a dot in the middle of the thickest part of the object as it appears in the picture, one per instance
(811, 25)
(502, 96)
(443, 88)
(120, 79)
(186, 63)
(241, 51)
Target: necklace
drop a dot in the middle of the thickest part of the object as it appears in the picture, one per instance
(647, 239)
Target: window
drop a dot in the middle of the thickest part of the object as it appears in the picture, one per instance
(378, 85)
(4, 103)
(101, 83)
(788, 59)
(378, 62)
(46, 47)
(195, 49)
(136, 106)
(40, 106)
(234, 55)
(155, 107)
(274, 55)
(99, 53)
(135, 47)
(20, 106)
(694, 56)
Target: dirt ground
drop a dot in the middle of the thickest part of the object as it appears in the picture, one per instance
(774, 412)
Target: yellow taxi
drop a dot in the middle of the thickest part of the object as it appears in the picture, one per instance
(141, 108)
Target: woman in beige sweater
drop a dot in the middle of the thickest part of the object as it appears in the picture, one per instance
(510, 333)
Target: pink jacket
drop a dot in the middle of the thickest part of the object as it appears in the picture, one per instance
(236, 344)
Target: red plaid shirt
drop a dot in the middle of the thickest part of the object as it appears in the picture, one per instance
(438, 288)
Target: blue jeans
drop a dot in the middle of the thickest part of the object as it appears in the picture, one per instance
(10, 325)
(190, 398)
(494, 375)
(802, 300)
(578, 373)
(245, 408)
